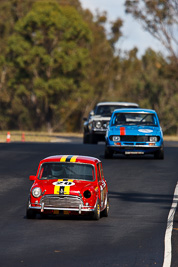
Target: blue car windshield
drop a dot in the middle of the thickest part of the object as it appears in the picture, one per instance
(60, 170)
(134, 119)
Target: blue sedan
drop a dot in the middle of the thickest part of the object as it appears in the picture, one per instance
(134, 131)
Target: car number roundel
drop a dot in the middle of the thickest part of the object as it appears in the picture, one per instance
(145, 131)
(63, 183)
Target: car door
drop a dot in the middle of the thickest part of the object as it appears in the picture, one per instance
(102, 185)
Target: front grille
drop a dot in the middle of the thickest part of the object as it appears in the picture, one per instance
(129, 144)
(104, 125)
(135, 138)
(61, 201)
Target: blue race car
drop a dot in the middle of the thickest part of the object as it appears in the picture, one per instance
(134, 131)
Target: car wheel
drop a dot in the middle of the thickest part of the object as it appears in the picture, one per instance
(159, 154)
(108, 153)
(85, 138)
(105, 212)
(30, 214)
(96, 213)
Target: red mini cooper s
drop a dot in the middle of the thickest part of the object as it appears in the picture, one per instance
(68, 184)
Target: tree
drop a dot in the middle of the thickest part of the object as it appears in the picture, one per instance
(159, 90)
(48, 53)
(10, 12)
(160, 19)
(28, 55)
(58, 60)
(147, 82)
(104, 65)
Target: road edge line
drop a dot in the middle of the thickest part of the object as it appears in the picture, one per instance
(168, 234)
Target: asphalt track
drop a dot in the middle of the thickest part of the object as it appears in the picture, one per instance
(140, 190)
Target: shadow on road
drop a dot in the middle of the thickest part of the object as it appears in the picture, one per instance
(140, 197)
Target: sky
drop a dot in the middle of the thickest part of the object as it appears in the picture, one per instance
(134, 35)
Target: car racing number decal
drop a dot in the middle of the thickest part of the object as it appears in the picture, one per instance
(145, 131)
(64, 183)
(62, 186)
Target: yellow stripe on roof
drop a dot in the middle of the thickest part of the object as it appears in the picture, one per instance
(63, 159)
(73, 159)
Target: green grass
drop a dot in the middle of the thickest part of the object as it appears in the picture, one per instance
(16, 136)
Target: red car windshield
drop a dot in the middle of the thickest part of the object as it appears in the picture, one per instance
(75, 171)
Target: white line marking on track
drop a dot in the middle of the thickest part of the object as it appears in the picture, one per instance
(168, 234)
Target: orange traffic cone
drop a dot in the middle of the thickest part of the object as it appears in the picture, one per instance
(23, 137)
(8, 139)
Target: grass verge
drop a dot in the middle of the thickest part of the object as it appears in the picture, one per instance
(26, 136)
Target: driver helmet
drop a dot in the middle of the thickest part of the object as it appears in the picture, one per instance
(56, 169)
(121, 117)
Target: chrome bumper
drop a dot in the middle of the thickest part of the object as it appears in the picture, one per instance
(133, 146)
(42, 208)
(64, 202)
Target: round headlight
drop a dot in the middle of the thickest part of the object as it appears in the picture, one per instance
(36, 192)
(116, 138)
(153, 139)
(98, 124)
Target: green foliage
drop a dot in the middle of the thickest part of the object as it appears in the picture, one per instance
(48, 54)
(159, 18)
(57, 61)
(146, 82)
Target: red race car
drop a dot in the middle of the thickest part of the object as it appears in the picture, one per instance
(68, 184)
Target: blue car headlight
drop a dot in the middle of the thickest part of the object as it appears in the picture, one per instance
(153, 139)
(116, 138)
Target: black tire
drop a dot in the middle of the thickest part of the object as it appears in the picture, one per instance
(43, 215)
(108, 154)
(30, 214)
(105, 212)
(96, 213)
(159, 154)
(85, 138)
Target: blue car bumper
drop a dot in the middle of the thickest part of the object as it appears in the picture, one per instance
(130, 149)
(134, 147)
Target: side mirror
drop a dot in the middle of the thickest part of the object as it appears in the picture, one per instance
(32, 177)
(85, 119)
(92, 113)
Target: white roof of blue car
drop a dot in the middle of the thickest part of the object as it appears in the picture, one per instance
(131, 110)
(118, 103)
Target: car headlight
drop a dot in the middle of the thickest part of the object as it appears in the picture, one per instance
(116, 138)
(36, 192)
(105, 125)
(153, 139)
(98, 124)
